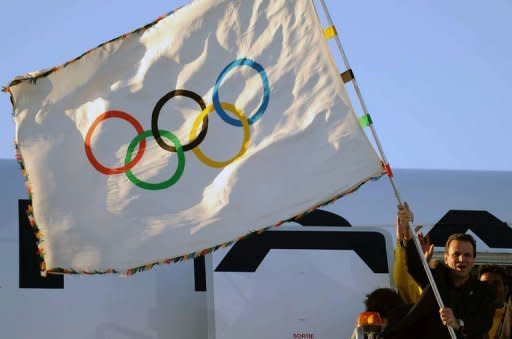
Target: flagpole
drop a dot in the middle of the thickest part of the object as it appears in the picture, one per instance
(383, 157)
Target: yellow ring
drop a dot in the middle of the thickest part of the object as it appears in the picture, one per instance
(247, 134)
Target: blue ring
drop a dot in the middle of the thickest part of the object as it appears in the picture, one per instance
(266, 91)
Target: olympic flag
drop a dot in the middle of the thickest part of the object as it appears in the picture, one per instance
(218, 120)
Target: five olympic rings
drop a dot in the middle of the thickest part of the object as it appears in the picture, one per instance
(194, 138)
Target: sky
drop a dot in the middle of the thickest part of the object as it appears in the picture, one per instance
(435, 75)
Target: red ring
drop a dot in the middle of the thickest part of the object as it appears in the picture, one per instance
(88, 151)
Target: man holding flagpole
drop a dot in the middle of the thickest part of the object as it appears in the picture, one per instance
(469, 307)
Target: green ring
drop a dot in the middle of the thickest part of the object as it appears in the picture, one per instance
(164, 184)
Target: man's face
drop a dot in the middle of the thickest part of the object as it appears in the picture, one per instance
(460, 258)
(496, 281)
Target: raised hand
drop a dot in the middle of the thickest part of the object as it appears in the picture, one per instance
(404, 217)
(426, 246)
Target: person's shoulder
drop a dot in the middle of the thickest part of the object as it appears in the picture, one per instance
(481, 284)
(481, 287)
(439, 268)
(437, 264)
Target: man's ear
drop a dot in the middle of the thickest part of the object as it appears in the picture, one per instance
(446, 258)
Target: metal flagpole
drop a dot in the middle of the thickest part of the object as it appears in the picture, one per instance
(383, 157)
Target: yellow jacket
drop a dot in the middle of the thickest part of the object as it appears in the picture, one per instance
(404, 283)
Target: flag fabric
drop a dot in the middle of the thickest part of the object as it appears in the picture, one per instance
(219, 120)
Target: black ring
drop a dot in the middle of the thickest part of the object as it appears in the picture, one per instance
(156, 112)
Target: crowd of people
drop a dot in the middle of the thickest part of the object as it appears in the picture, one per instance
(477, 303)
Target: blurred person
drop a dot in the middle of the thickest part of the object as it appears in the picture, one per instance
(496, 277)
(391, 308)
(388, 303)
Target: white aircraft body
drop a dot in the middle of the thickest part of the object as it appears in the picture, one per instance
(302, 280)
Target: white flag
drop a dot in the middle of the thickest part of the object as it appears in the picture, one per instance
(218, 120)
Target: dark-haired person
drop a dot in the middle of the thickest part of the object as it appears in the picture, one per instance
(468, 302)
(387, 303)
(496, 277)
(391, 308)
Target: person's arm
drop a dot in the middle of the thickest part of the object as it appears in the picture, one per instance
(507, 322)
(409, 259)
(410, 321)
(404, 283)
(413, 264)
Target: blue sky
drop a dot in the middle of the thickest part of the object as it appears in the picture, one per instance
(436, 75)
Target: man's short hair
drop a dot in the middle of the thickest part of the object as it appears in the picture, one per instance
(461, 237)
(494, 269)
(382, 300)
